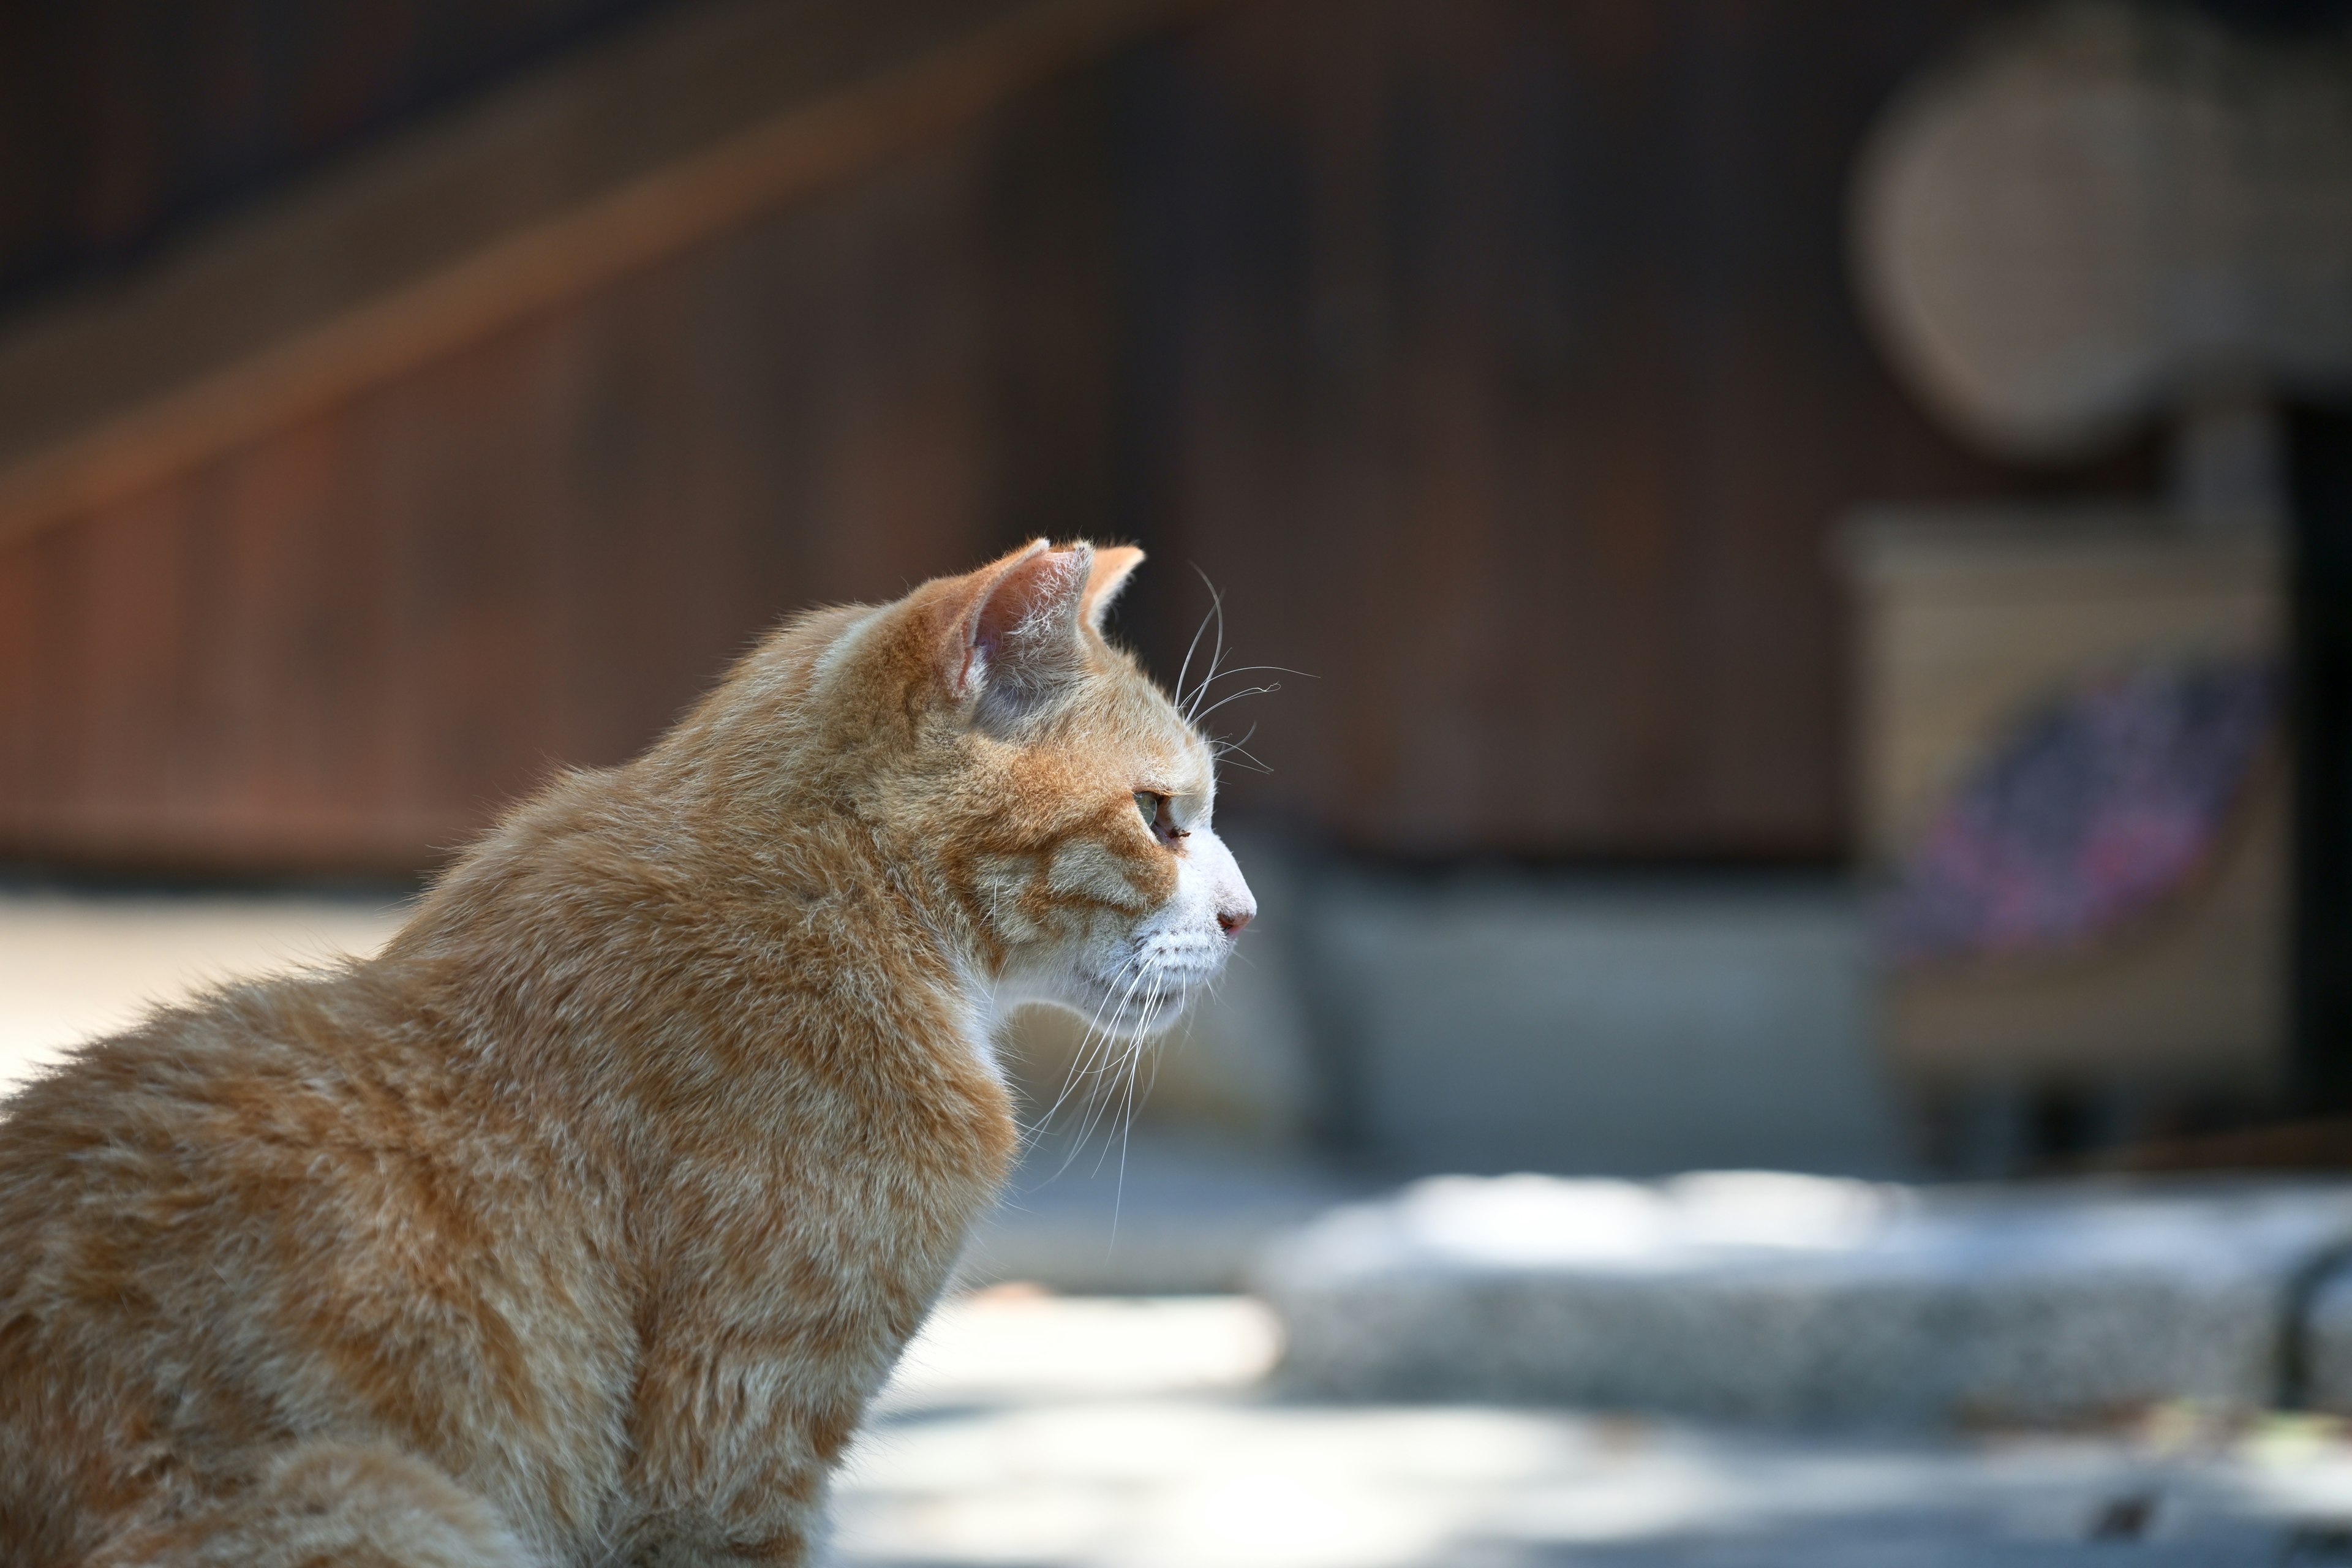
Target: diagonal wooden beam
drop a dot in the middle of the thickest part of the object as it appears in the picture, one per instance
(656, 139)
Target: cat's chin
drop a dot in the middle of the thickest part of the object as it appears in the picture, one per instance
(1136, 996)
(1129, 1011)
(1143, 1017)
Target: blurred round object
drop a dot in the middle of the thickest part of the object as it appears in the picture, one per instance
(2104, 212)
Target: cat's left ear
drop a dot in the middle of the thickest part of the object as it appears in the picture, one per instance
(1113, 566)
(1014, 636)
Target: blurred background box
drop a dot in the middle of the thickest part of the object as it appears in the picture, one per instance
(1633, 1025)
(1968, 620)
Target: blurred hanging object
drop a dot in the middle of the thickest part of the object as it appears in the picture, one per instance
(2109, 212)
(2092, 814)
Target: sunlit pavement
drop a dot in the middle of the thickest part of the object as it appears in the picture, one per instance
(1031, 1429)
(76, 966)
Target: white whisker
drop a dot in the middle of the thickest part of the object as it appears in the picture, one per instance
(1217, 655)
(1235, 697)
(1097, 1103)
(1254, 669)
(1215, 609)
(1086, 1045)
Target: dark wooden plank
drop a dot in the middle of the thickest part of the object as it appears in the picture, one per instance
(457, 491)
(1506, 377)
(131, 641)
(388, 618)
(125, 122)
(47, 709)
(534, 199)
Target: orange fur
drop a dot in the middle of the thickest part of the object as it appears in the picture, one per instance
(580, 1226)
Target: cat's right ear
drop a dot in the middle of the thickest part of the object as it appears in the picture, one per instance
(1012, 631)
(1112, 567)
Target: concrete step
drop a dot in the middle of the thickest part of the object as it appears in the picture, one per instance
(1152, 1214)
(1771, 1297)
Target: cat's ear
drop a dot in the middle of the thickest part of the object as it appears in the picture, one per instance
(1015, 634)
(1108, 575)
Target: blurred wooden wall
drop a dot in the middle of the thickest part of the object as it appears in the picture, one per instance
(1506, 377)
(341, 647)
(1494, 358)
(122, 122)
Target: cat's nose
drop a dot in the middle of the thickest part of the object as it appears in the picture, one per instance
(1232, 920)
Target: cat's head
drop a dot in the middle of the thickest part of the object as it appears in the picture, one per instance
(1054, 790)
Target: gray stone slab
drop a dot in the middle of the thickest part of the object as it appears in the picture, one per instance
(1785, 1298)
(1583, 1025)
(1151, 1214)
(2326, 1325)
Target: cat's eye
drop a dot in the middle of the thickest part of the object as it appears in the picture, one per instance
(1159, 816)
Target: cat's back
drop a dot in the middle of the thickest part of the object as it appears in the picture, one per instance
(295, 1209)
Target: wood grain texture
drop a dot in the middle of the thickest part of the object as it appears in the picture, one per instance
(1502, 371)
(658, 140)
(127, 126)
(344, 646)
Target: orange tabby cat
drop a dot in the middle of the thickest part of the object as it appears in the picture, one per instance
(580, 1226)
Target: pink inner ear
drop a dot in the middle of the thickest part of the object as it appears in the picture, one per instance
(1109, 575)
(1028, 615)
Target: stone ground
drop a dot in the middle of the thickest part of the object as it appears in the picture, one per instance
(1038, 1430)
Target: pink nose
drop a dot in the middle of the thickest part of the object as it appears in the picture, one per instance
(1233, 919)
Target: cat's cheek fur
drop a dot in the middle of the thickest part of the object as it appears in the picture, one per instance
(1131, 976)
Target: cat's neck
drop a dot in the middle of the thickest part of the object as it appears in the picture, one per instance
(612, 933)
